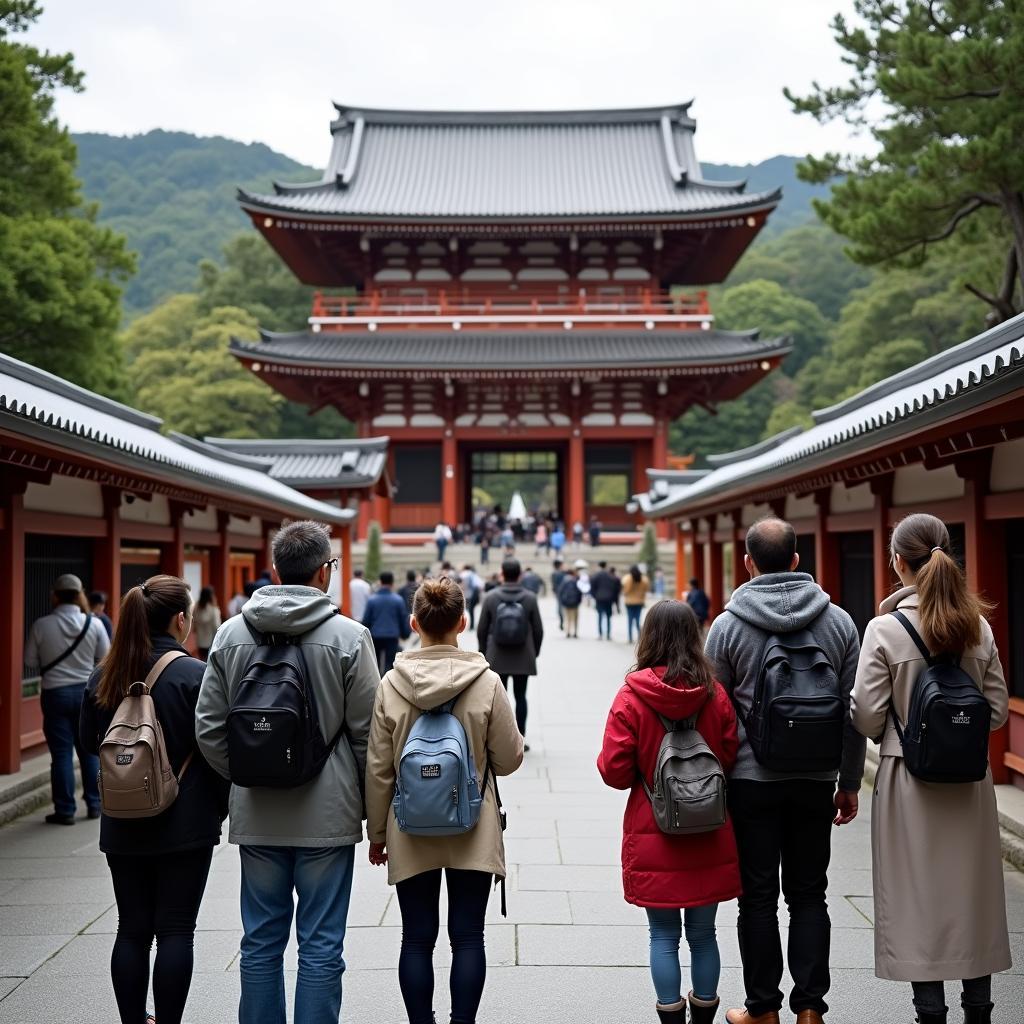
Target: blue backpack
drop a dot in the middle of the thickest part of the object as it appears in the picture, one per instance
(436, 791)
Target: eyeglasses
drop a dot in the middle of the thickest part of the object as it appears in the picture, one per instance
(333, 564)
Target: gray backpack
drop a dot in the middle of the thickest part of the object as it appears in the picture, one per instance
(689, 784)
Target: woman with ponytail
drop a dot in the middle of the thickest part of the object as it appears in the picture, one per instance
(424, 679)
(158, 865)
(940, 907)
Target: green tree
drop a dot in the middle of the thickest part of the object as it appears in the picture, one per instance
(60, 272)
(372, 561)
(949, 75)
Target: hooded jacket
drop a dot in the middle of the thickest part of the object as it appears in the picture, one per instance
(343, 675)
(421, 680)
(779, 603)
(660, 870)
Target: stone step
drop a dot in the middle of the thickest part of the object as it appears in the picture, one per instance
(26, 790)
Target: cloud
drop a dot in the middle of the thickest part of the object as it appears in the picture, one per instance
(267, 71)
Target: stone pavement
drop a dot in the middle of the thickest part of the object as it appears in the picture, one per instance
(570, 949)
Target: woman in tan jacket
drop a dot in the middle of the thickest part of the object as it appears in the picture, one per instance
(940, 908)
(422, 680)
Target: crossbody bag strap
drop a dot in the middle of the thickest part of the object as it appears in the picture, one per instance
(925, 653)
(43, 669)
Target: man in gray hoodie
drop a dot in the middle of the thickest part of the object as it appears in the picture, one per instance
(298, 840)
(783, 820)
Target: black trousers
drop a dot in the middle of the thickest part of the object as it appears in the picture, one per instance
(784, 826)
(156, 896)
(418, 898)
(386, 649)
(519, 690)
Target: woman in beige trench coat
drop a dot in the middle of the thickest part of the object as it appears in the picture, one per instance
(424, 679)
(940, 907)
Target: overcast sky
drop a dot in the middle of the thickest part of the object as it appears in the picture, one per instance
(267, 70)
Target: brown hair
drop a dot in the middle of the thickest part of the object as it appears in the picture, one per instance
(950, 612)
(438, 606)
(146, 609)
(670, 638)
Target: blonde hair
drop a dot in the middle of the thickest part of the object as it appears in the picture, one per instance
(950, 612)
(438, 606)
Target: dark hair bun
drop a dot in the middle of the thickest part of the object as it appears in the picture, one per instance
(438, 605)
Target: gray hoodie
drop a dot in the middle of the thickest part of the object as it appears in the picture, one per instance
(327, 811)
(781, 603)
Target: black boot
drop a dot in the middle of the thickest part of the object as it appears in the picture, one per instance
(674, 1014)
(701, 1010)
(925, 1017)
(978, 1014)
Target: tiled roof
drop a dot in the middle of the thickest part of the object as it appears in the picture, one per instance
(38, 404)
(394, 164)
(454, 351)
(344, 463)
(972, 373)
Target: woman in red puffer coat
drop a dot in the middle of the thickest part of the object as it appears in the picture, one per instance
(672, 876)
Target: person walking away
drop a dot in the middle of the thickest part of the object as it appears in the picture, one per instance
(604, 589)
(940, 904)
(510, 633)
(634, 597)
(442, 538)
(387, 619)
(423, 680)
(570, 597)
(408, 589)
(594, 530)
(472, 587)
(659, 583)
(207, 621)
(533, 583)
(64, 647)
(557, 542)
(783, 811)
(558, 574)
(577, 534)
(698, 600)
(676, 878)
(541, 540)
(296, 840)
(359, 592)
(98, 607)
(158, 865)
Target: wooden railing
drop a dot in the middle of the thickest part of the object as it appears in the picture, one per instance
(497, 306)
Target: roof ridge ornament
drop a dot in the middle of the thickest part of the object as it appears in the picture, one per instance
(676, 171)
(344, 177)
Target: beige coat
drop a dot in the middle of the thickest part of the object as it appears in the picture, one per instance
(423, 679)
(940, 907)
(634, 592)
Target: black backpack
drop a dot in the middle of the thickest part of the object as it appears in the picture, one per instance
(948, 722)
(569, 593)
(511, 626)
(274, 736)
(796, 721)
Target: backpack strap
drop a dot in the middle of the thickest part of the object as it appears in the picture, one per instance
(43, 669)
(158, 668)
(914, 635)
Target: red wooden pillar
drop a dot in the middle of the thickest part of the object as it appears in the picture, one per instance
(713, 573)
(12, 622)
(681, 536)
(365, 514)
(659, 460)
(220, 565)
(576, 509)
(172, 554)
(881, 487)
(739, 549)
(107, 553)
(449, 483)
(826, 547)
(698, 563)
(345, 570)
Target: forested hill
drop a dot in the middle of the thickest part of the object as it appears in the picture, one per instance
(172, 195)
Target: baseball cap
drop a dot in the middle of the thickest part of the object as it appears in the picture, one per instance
(580, 563)
(68, 582)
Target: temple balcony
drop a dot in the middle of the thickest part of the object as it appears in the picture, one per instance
(488, 305)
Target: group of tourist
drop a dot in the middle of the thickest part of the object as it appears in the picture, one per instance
(289, 732)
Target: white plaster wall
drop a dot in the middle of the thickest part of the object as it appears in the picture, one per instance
(852, 499)
(914, 484)
(245, 525)
(155, 510)
(751, 513)
(66, 494)
(202, 519)
(1008, 466)
(801, 507)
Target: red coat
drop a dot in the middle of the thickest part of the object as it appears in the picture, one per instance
(659, 870)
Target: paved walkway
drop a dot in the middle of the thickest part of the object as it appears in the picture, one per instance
(570, 950)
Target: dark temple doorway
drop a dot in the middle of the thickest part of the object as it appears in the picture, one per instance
(494, 476)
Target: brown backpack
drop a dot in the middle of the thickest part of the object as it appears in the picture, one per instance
(135, 778)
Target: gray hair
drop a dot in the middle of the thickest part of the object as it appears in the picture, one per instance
(300, 549)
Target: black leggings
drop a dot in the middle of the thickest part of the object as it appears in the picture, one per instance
(519, 689)
(418, 898)
(156, 896)
(930, 996)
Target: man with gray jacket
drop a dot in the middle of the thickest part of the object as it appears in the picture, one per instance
(783, 820)
(296, 840)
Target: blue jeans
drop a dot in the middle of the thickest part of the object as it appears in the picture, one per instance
(62, 709)
(705, 962)
(633, 613)
(322, 878)
(604, 618)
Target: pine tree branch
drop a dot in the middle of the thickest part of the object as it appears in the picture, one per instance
(974, 94)
(965, 211)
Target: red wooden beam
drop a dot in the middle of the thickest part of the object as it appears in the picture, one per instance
(12, 623)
